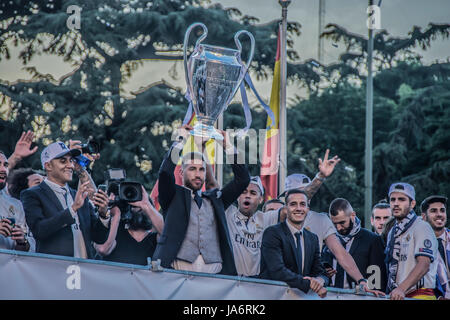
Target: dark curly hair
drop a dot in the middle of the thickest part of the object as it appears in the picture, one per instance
(17, 181)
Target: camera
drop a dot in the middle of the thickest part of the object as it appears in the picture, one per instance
(124, 192)
(91, 147)
(128, 191)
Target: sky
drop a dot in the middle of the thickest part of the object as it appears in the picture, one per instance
(397, 17)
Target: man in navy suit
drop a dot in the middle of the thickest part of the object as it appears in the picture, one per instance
(291, 253)
(365, 247)
(62, 220)
(195, 235)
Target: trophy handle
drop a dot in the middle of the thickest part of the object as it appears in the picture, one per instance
(239, 46)
(185, 45)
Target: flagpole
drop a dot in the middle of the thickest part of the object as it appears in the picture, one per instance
(369, 136)
(283, 73)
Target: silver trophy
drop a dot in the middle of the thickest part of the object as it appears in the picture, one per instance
(213, 75)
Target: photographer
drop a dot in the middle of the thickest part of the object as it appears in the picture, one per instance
(132, 240)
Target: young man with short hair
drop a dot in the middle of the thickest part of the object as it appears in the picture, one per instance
(411, 249)
(381, 213)
(434, 211)
(365, 247)
(290, 253)
(63, 220)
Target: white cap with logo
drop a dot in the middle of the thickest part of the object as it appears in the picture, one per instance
(56, 150)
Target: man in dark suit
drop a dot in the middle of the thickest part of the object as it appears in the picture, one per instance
(62, 220)
(365, 247)
(291, 253)
(195, 235)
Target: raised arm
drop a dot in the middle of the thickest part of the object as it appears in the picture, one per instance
(22, 149)
(326, 168)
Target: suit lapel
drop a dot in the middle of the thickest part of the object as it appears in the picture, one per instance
(48, 192)
(291, 242)
(355, 243)
(308, 252)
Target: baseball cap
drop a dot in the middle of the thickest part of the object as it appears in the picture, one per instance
(257, 180)
(432, 199)
(57, 150)
(404, 188)
(295, 181)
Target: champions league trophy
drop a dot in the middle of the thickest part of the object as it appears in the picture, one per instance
(213, 75)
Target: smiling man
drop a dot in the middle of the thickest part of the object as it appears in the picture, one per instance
(434, 211)
(411, 249)
(290, 253)
(62, 220)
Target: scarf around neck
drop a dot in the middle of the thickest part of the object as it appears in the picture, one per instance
(393, 247)
(356, 228)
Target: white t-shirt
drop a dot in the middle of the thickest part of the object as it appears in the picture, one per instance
(418, 240)
(320, 224)
(12, 208)
(246, 237)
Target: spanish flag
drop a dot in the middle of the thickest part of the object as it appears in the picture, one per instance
(270, 157)
(189, 146)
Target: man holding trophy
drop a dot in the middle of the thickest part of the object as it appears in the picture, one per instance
(195, 235)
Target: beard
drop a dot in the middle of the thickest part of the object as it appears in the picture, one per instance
(347, 231)
(2, 185)
(190, 186)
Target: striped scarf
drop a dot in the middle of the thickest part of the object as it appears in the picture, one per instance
(356, 228)
(393, 247)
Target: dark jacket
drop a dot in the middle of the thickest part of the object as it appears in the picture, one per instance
(367, 249)
(175, 202)
(279, 256)
(51, 224)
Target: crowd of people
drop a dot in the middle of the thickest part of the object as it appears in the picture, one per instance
(203, 227)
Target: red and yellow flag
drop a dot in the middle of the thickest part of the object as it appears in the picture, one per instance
(270, 157)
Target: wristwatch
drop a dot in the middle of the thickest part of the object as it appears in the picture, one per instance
(23, 243)
(361, 280)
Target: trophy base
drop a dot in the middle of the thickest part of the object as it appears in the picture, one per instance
(205, 131)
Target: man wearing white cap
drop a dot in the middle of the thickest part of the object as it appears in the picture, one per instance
(62, 220)
(320, 224)
(412, 248)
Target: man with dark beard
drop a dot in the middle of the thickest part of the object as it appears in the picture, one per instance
(411, 249)
(365, 247)
(195, 236)
(135, 240)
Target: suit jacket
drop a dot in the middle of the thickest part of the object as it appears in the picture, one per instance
(367, 249)
(279, 257)
(175, 202)
(51, 224)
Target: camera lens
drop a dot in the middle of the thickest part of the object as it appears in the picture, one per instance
(130, 192)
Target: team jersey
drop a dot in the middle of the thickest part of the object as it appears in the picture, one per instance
(246, 237)
(320, 224)
(418, 240)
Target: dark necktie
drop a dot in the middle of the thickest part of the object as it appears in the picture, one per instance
(298, 236)
(441, 248)
(65, 197)
(198, 199)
